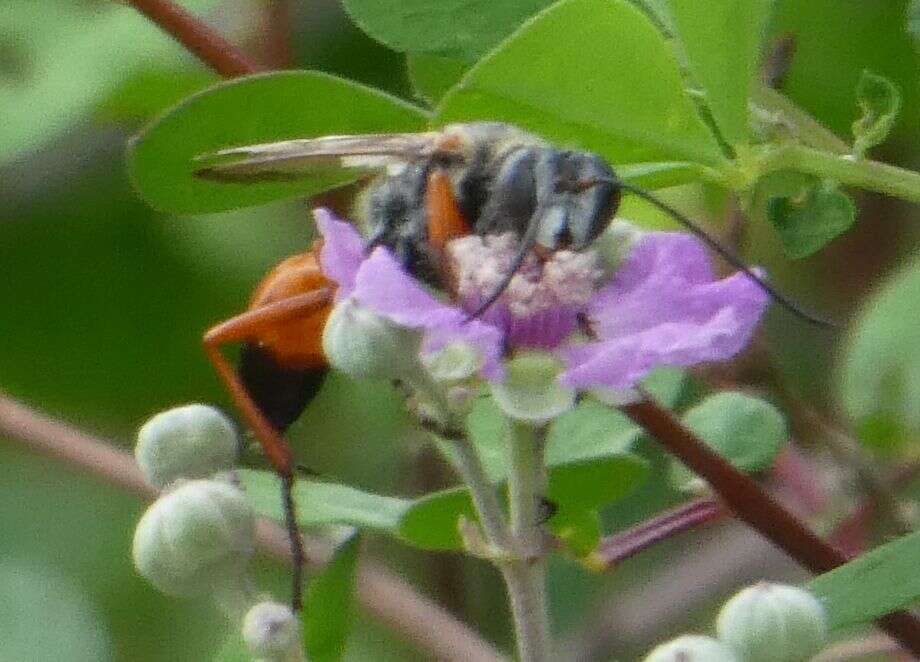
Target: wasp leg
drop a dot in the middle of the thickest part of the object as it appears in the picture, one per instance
(240, 329)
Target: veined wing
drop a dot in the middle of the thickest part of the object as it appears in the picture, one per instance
(302, 158)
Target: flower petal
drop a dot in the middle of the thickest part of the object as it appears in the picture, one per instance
(383, 286)
(342, 252)
(676, 286)
(621, 361)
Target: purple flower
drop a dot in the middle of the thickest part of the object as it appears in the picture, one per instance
(664, 306)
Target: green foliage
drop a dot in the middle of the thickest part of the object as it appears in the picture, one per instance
(810, 215)
(45, 613)
(606, 80)
(149, 90)
(55, 70)
(432, 76)
(255, 109)
(722, 42)
(880, 369)
(745, 430)
(329, 604)
(460, 28)
(880, 101)
(323, 503)
(578, 486)
(872, 585)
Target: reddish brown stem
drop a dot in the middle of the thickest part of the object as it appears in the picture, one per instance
(751, 504)
(198, 37)
(621, 546)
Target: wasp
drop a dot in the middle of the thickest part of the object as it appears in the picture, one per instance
(482, 177)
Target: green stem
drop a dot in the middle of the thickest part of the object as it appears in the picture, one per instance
(870, 175)
(525, 573)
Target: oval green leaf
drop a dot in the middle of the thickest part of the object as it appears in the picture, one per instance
(323, 503)
(880, 376)
(250, 110)
(747, 431)
(875, 584)
(722, 41)
(329, 604)
(594, 73)
(459, 28)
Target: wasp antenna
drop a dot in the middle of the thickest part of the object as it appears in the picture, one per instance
(730, 257)
(527, 243)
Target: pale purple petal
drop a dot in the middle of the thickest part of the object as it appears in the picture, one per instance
(484, 338)
(342, 252)
(383, 286)
(652, 284)
(681, 288)
(713, 322)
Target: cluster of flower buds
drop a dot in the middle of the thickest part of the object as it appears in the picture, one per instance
(762, 623)
(198, 537)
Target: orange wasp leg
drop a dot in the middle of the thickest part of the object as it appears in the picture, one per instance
(241, 329)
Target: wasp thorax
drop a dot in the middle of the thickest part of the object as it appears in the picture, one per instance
(562, 280)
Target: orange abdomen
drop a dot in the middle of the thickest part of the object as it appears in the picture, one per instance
(296, 343)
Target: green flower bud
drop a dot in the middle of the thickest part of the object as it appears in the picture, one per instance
(365, 345)
(773, 623)
(692, 648)
(531, 391)
(272, 632)
(194, 441)
(195, 539)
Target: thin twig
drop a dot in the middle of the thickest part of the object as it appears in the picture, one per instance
(380, 591)
(752, 505)
(198, 37)
(614, 549)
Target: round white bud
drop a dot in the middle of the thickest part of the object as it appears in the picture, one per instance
(531, 391)
(194, 441)
(692, 648)
(271, 631)
(362, 344)
(195, 539)
(773, 623)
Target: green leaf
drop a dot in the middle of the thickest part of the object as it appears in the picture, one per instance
(433, 75)
(745, 430)
(151, 90)
(458, 28)
(54, 67)
(329, 604)
(255, 109)
(580, 530)
(880, 372)
(808, 221)
(606, 81)
(722, 42)
(880, 102)
(323, 503)
(590, 430)
(875, 584)
(431, 522)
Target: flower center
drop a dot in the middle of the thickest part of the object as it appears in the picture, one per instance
(562, 280)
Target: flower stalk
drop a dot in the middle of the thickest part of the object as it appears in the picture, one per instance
(525, 572)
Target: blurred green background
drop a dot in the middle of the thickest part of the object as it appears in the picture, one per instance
(104, 302)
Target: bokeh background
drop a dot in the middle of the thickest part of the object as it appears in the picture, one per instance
(103, 303)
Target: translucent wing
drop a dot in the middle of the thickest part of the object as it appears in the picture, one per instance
(297, 159)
